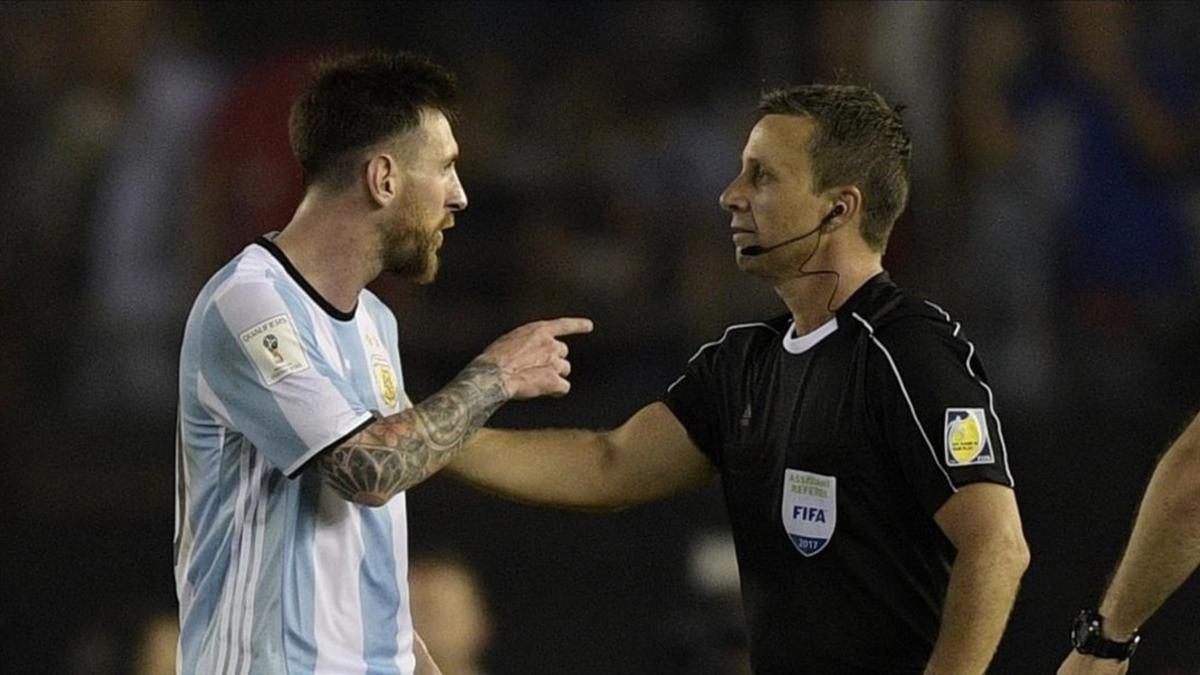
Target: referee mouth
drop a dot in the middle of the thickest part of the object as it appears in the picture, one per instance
(743, 238)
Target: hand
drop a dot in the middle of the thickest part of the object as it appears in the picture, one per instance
(531, 358)
(1082, 664)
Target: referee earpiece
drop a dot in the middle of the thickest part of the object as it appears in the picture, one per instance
(837, 211)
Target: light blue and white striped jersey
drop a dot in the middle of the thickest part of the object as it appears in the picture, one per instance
(274, 571)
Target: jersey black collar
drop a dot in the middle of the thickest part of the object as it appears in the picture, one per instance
(867, 297)
(266, 242)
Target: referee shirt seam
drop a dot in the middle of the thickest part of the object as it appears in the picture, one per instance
(908, 399)
(991, 397)
(714, 343)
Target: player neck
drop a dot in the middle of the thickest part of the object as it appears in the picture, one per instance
(328, 246)
(813, 298)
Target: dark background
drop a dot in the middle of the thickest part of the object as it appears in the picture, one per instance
(1055, 209)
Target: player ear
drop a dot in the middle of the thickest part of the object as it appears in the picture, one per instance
(383, 178)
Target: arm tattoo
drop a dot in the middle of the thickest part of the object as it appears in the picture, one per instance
(397, 452)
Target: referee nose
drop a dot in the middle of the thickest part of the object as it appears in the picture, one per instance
(733, 197)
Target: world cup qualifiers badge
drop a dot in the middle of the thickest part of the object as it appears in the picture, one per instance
(274, 348)
(967, 440)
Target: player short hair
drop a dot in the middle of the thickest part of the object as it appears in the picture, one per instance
(356, 100)
(859, 140)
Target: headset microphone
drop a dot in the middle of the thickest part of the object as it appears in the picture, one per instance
(759, 250)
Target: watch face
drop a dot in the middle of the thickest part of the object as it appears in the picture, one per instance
(1087, 638)
(1083, 629)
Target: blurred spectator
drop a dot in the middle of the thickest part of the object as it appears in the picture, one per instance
(30, 78)
(68, 114)
(249, 181)
(1128, 257)
(154, 653)
(450, 612)
(1005, 248)
(125, 640)
(710, 638)
(136, 288)
(1073, 225)
(1128, 243)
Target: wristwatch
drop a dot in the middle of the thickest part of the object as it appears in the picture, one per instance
(1088, 638)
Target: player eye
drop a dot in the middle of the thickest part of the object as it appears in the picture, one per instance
(759, 175)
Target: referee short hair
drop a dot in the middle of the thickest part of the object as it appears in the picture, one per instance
(859, 140)
(356, 100)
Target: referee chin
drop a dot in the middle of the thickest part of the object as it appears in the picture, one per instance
(861, 457)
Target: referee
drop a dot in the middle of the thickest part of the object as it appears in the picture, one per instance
(863, 464)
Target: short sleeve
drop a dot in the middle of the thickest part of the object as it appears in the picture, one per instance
(265, 375)
(935, 409)
(693, 400)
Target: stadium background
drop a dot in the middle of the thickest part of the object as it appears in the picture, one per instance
(1055, 208)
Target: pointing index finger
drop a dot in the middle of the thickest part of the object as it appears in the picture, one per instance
(569, 326)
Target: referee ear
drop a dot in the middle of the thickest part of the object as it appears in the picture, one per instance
(845, 208)
(383, 179)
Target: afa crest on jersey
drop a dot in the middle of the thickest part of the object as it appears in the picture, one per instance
(967, 439)
(385, 382)
(809, 510)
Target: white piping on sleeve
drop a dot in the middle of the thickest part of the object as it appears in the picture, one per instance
(911, 407)
(979, 380)
(717, 342)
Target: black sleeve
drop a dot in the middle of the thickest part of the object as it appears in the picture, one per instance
(935, 410)
(693, 398)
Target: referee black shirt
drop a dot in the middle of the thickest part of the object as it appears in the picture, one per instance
(835, 450)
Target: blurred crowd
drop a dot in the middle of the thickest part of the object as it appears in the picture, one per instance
(1055, 208)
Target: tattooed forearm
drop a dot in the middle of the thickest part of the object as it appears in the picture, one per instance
(397, 452)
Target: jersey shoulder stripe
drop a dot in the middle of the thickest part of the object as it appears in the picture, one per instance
(957, 333)
(724, 336)
(908, 399)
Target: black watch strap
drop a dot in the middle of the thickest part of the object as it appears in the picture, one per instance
(1087, 636)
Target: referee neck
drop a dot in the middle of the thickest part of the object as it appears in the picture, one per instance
(813, 298)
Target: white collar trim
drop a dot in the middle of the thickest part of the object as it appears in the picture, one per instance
(798, 344)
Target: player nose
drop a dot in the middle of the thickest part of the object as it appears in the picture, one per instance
(457, 198)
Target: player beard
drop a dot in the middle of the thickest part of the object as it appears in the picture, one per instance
(410, 250)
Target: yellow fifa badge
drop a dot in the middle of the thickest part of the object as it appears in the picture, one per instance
(385, 383)
(967, 439)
